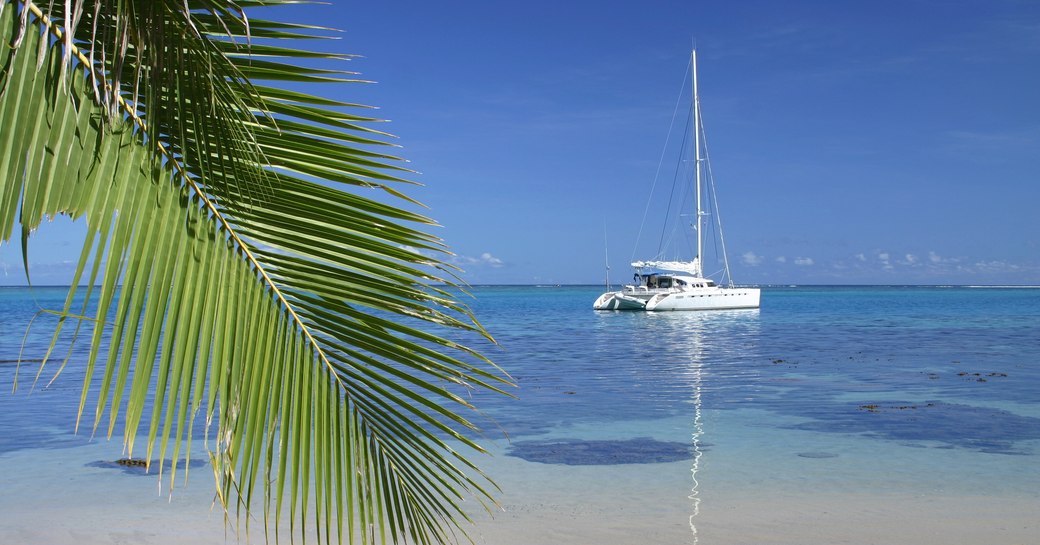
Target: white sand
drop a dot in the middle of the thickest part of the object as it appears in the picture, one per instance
(804, 520)
(542, 505)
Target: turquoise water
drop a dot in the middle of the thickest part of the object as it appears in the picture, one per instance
(830, 415)
(823, 356)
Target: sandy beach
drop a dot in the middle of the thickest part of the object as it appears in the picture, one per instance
(807, 519)
(541, 505)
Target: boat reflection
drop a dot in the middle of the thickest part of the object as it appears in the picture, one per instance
(696, 340)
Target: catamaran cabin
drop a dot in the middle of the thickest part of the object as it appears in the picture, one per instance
(655, 281)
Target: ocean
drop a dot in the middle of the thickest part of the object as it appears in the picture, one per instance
(858, 414)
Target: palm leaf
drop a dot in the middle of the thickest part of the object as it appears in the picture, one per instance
(232, 275)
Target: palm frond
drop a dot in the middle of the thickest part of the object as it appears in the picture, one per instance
(232, 273)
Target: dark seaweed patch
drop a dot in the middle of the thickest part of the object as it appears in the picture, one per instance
(965, 426)
(135, 466)
(641, 450)
(819, 455)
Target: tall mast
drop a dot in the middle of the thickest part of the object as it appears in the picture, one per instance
(697, 161)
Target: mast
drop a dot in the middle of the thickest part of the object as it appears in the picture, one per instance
(699, 261)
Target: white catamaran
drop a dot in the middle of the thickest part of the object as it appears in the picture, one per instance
(681, 285)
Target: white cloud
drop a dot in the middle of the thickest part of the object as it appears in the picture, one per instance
(938, 259)
(485, 260)
(491, 260)
(781, 259)
(803, 261)
(911, 258)
(414, 250)
(861, 257)
(995, 267)
(750, 258)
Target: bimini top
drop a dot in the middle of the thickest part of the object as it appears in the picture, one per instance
(691, 267)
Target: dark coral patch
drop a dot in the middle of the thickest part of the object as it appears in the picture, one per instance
(136, 466)
(576, 452)
(817, 455)
(985, 429)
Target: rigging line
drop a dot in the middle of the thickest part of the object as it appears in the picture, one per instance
(688, 200)
(680, 174)
(660, 161)
(606, 255)
(715, 205)
(715, 227)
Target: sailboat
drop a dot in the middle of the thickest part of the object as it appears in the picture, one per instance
(682, 285)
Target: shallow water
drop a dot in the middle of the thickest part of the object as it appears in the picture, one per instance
(832, 414)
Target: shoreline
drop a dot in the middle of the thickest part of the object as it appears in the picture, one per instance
(39, 508)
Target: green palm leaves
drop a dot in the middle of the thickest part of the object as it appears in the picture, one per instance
(231, 276)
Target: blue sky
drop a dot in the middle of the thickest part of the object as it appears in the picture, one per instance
(853, 142)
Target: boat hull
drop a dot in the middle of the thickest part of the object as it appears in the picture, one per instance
(695, 299)
(617, 300)
(719, 299)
